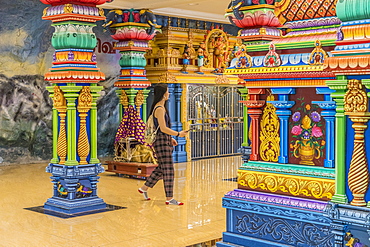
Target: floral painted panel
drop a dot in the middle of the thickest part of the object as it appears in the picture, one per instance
(306, 130)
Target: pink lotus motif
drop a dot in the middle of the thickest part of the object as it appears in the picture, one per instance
(258, 18)
(316, 131)
(127, 33)
(87, 2)
(296, 130)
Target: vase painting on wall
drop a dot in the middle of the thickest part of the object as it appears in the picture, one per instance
(307, 133)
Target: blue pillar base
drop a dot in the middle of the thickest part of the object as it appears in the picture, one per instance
(257, 219)
(348, 218)
(76, 206)
(179, 157)
(329, 163)
(239, 240)
(283, 160)
(75, 189)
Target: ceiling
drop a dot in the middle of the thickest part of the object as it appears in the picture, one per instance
(208, 10)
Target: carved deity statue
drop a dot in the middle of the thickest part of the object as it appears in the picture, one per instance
(217, 47)
(186, 58)
(201, 55)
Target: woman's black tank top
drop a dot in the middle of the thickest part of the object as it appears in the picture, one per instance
(166, 118)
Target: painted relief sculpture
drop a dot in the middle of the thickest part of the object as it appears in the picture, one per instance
(318, 55)
(243, 59)
(269, 147)
(218, 50)
(74, 76)
(316, 75)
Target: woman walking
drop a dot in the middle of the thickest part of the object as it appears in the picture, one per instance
(163, 146)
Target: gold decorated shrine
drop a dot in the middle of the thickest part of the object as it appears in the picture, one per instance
(292, 185)
(165, 61)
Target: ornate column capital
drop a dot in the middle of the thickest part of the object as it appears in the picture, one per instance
(133, 29)
(283, 104)
(254, 102)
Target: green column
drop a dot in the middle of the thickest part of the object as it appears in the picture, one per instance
(340, 85)
(244, 94)
(71, 95)
(131, 94)
(145, 105)
(120, 109)
(94, 126)
(55, 159)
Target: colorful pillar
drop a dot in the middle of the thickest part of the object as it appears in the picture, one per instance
(74, 76)
(244, 95)
(283, 105)
(132, 29)
(245, 149)
(340, 86)
(254, 105)
(179, 153)
(356, 107)
(328, 106)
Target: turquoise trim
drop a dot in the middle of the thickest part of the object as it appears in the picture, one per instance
(290, 169)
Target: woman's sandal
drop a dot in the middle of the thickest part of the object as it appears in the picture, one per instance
(145, 194)
(174, 202)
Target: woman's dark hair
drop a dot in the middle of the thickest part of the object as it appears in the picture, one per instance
(159, 91)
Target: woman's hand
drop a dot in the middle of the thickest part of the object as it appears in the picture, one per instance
(174, 142)
(183, 133)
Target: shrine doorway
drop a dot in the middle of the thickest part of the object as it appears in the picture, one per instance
(215, 117)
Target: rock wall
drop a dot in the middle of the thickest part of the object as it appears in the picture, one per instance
(25, 119)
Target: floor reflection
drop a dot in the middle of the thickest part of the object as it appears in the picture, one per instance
(199, 184)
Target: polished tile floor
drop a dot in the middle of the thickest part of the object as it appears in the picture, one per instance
(199, 184)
